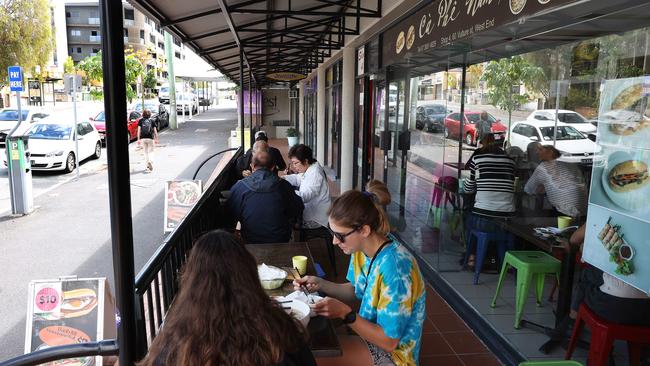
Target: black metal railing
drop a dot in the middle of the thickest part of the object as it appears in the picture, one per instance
(156, 285)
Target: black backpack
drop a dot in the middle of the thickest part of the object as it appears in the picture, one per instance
(146, 127)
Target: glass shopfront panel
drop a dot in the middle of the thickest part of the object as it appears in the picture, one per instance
(596, 88)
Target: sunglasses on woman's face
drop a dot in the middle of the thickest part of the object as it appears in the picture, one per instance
(341, 236)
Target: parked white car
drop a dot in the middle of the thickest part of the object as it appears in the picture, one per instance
(9, 119)
(185, 101)
(52, 145)
(575, 119)
(574, 146)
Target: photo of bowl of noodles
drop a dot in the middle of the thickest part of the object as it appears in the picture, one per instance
(516, 6)
(184, 193)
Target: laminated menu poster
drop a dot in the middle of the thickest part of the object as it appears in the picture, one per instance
(69, 311)
(618, 219)
(180, 197)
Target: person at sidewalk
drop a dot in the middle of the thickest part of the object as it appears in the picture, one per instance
(563, 183)
(220, 291)
(382, 274)
(147, 135)
(243, 162)
(483, 126)
(264, 204)
(311, 184)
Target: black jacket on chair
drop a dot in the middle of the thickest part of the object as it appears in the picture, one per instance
(266, 206)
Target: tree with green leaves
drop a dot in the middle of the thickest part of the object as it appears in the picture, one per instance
(503, 76)
(92, 67)
(68, 66)
(150, 80)
(26, 35)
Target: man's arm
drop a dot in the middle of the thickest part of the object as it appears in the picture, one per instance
(470, 183)
(534, 181)
(279, 161)
(155, 134)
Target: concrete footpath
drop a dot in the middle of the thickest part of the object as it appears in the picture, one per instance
(69, 233)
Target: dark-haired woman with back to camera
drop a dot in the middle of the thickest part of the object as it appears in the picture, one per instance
(222, 316)
(383, 275)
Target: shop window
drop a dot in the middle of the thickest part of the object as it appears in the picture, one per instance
(129, 14)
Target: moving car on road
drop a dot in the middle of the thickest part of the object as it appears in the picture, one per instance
(52, 144)
(575, 119)
(574, 146)
(469, 133)
(431, 117)
(9, 119)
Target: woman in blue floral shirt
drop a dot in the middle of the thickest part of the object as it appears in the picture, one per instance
(383, 275)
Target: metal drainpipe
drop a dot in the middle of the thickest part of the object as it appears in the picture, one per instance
(119, 176)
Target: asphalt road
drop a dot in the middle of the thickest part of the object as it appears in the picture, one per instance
(69, 232)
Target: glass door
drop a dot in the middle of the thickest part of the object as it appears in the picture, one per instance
(377, 127)
(398, 136)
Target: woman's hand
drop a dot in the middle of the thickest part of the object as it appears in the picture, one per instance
(331, 308)
(312, 283)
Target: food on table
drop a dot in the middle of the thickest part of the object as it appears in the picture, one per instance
(271, 277)
(620, 252)
(628, 175)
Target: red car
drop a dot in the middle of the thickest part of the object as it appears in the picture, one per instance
(470, 135)
(100, 124)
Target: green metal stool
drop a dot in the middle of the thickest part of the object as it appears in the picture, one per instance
(550, 363)
(528, 264)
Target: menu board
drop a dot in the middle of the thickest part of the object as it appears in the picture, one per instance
(69, 311)
(180, 197)
(618, 219)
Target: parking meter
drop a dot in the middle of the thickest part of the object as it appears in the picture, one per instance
(20, 174)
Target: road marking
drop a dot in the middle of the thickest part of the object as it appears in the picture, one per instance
(201, 130)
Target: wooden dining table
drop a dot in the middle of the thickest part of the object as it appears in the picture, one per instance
(323, 341)
(523, 227)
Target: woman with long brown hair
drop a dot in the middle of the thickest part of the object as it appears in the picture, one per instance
(222, 316)
(382, 275)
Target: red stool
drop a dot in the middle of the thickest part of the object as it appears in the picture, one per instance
(603, 334)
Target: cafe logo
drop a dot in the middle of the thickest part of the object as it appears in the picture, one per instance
(410, 37)
(516, 6)
(399, 44)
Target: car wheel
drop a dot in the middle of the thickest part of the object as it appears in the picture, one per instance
(446, 133)
(469, 140)
(69, 163)
(98, 150)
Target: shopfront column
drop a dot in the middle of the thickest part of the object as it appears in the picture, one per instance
(320, 115)
(301, 111)
(347, 120)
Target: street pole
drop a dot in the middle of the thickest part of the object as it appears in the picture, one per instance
(76, 131)
(171, 80)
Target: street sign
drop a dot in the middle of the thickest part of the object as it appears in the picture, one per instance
(16, 79)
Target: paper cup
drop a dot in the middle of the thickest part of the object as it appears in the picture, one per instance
(626, 252)
(564, 221)
(300, 262)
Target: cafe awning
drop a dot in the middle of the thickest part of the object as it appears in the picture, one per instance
(287, 37)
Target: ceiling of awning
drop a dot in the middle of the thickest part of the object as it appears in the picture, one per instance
(274, 35)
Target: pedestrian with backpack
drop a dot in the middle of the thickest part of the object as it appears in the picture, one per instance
(147, 135)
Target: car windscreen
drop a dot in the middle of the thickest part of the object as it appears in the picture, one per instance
(436, 110)
(563, 133)
(164, 89)
(50, 132)
(570, 118)
(12, 115)
(101, 117)
(150, 107)
(473, 118)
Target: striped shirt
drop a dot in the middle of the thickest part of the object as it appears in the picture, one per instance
(564, 184)
(492, 177)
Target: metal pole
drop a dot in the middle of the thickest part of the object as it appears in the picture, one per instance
(119, 188)
(241, 97)
(76, 131)
(250, 105)
(12, 183)
(557, 107)
(171, 80)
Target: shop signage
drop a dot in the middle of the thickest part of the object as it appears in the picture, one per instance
(285, 76)
(361, 60)
(69, 311)
(447, 21)
(180, 197)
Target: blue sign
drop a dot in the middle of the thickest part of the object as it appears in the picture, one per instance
(16, 78)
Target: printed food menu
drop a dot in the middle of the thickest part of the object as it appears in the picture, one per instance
(618, 222)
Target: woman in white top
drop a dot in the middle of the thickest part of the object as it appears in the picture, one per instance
(311, 185)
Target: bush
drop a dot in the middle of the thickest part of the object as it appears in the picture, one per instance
(292, 132)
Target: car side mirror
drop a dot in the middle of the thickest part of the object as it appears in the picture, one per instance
(91, 119)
